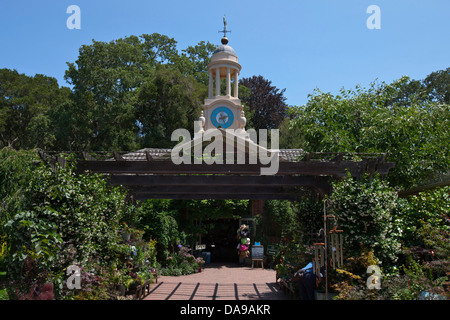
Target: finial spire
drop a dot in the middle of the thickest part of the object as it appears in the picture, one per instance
(224, 27)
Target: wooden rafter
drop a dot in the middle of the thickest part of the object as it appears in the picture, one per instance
(330, 168)
(150, 174)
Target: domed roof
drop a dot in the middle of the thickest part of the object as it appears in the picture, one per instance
(224, 47)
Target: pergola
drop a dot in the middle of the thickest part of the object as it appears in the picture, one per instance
(150, 174)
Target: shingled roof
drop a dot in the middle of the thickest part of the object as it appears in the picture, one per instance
(290, 155)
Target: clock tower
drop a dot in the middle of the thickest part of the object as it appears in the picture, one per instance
(223, 110)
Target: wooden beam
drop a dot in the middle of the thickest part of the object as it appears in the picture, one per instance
(187, 196)
(223, 180)
(214, 189)
(430, 186)
(285, 168)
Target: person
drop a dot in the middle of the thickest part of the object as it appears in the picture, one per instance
(307, 281)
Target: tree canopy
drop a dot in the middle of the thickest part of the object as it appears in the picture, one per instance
(125, 94)
(26, 109)
(411, 128)
(134, 91)
(266, 102)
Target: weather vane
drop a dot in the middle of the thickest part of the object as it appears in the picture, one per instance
(224, 27)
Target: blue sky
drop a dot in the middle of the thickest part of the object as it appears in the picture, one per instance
(299, 45)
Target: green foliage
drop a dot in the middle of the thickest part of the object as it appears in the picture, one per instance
(292, 220)
(178, 221)
(267, 102)
(365, 212)
(16, 168)
(309, 214)
(159, 223)
(367, 208)
(64, 219)
(166, 101)
(413, 132)
(26, 105)
(428, 209)
(194, 61)
(181, 262)
(290, 137)
(292, 255)
(437, 86)
(134, 92)
(4, 294)
(281, 213)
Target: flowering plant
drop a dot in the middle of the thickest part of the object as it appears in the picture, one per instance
(182, 262)
(200, 261)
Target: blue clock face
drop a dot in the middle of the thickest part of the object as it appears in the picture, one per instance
(222, 117)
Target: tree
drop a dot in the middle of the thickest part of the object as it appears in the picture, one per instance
(291, 137)
(195, 59)
(437, 85)
(26, 104)
(167, 101)
(104, 79)
(415, 135)
(133, 91)
(266, 101)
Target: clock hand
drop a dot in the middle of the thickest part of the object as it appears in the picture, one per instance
(223, 118)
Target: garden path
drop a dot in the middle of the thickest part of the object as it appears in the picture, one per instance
(219, 282)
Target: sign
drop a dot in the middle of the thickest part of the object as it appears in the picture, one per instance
(200, 247)
(272, 249)
(257, 252)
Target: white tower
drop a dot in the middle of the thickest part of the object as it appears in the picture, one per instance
(223, 109)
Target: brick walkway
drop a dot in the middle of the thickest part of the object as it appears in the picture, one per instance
(219, 282)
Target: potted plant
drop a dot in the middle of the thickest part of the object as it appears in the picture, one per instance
(200, 262)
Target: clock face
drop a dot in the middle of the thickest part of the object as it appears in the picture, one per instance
(222, 117)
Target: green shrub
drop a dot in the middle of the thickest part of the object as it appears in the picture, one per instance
(365, 212)
(181, 262)
(428, 209)
(65, 219)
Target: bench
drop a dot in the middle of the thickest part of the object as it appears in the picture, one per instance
(287, 288)
(143, 290)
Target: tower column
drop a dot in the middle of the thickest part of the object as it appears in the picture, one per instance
(228, 83)
(217, 82)
(236, 84)
(211, 84)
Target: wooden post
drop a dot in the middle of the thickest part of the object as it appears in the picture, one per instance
(257, 207)
(325, 249)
